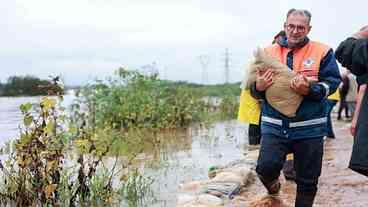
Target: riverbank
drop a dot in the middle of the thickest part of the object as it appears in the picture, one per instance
(338, 185)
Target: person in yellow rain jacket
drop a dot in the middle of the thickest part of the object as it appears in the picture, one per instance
(249, 112)
(331, 102)
(250, 109)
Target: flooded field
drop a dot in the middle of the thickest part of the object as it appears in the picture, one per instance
(182, 155)
(186, 155)
(11, 117)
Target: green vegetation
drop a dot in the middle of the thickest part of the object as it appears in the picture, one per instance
(59, 158)
(227, 96)
(43, 172)
(24, 86)
(131, 99)
(218, 90)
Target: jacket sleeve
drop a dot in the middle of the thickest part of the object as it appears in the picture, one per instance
(329, 78)
(360, 61)
(363, 79)
(353, 54)
(257, 94)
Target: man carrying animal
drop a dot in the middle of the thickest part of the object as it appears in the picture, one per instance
(318, 77)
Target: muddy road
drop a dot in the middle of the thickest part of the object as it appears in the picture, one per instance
(338, 185)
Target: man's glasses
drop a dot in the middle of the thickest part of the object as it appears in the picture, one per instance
(299, 28)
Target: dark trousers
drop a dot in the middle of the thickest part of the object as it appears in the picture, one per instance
(343, 106)
(254, 134)
(330, 105)
(307, 161)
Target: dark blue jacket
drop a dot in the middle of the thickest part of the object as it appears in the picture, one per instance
(311, 117)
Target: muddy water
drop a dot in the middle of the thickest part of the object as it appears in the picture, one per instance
(186, 156)
(10, 115)
(182, 155)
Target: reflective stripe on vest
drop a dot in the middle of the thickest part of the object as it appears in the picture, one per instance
(272, 120)
(295, 124)
(309, 122)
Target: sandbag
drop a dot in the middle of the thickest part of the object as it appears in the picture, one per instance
(203, 200)
(241, 175)
(279, 95)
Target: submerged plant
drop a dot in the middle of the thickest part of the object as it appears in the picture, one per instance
(39, 171)
(133, 100)
(136, 189)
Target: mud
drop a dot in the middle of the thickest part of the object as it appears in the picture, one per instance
(338, 185)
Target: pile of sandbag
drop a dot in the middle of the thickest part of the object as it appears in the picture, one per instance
(202, 200)
(224, 184)
(279, 95)
(237, 174)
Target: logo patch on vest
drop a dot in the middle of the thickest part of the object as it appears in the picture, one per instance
(307, 63)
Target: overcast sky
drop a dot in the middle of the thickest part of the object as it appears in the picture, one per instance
(85, 39)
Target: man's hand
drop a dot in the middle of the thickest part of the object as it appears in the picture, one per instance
(300, 85)
(264, 79)
(353, 128)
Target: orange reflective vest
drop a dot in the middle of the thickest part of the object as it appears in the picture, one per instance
(310, 120)
(306, 60)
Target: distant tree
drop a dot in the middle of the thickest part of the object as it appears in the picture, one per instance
(24, 86)
(1, 88)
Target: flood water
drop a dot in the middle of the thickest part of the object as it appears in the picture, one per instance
(183, 155)
(11, 116)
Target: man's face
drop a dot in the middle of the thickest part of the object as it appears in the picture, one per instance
(296, 28)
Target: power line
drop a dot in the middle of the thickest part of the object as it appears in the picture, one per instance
(204, 60)
(227, 65)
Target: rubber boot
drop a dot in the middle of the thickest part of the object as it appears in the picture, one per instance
(304, 199)
(273, 188)
(288, 168)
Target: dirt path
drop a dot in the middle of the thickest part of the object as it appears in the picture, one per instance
(338, 186)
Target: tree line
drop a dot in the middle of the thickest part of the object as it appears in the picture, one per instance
(24, 86)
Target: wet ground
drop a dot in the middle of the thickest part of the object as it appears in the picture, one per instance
(338, 185)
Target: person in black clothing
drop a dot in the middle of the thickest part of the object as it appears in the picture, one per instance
(352, 53)
(343, 93)
(278, 36)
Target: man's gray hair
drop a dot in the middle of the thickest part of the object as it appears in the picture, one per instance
(303, 12)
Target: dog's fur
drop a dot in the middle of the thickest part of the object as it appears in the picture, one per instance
(279, 95)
